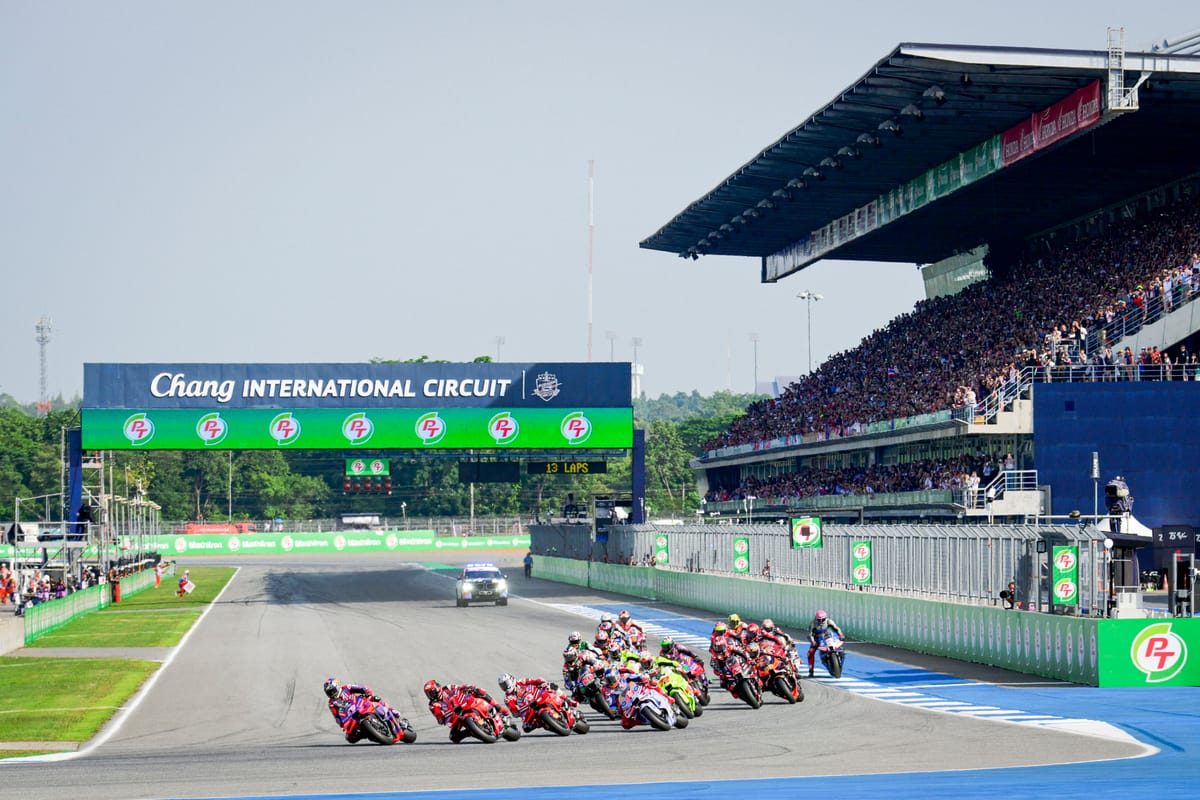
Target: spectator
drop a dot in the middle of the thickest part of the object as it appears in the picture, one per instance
(1008, 597)
(1081, 297)
(528, 563)
(766, 570)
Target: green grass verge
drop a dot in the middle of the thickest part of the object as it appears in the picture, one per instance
(22, 753)
(151, 629)
(161, 621)
(63, 699)
(209, 582)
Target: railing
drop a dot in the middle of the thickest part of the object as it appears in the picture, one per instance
(1020, 480)
(831, 502)
(53, 614)
(1134, 318)
(958, 563)
(443, 526)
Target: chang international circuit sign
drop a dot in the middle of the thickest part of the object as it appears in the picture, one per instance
(534, 406)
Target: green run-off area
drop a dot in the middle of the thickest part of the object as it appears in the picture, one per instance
(63, 699)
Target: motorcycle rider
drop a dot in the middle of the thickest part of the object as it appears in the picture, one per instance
(721, 649)
(735, 626)
(576, 663)
(669, 648)
(342, 705)
(770, 632)
(632, 630)
(720, 632)
(816, 632)
(444, 698)
(517, 694)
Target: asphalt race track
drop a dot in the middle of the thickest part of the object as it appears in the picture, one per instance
(240, 710)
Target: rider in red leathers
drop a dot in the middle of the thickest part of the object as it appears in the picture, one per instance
(444, 698)
(517, 694)
(341, 705)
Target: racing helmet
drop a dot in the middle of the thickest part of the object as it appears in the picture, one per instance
(734, 620)
(667, 643)
(431, 689)
(752, 649)
(752, 629)
(605, 625)
(768, 625)
(720, 628)
(646, 659)
(506, 682)
(570, 657)
(612, 678)
(606, 617)
(601, 637)
(623, 616)
(574, 638)
(332, 688)
(820, 619)
(718, 647)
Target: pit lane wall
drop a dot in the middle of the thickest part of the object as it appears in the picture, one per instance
(1077, 649)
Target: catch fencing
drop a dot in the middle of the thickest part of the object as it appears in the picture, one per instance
(51, 615)
(953, 563)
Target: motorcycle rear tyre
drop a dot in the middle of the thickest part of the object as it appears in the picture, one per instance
(782, 687)
(554, 723)
(748, 692)
(655, 720)
(597, 703)
(475, 729)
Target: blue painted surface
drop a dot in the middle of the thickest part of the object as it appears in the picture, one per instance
(1148, 432)
(1167, 718)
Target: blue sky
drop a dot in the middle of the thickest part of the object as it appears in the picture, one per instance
(320, 181)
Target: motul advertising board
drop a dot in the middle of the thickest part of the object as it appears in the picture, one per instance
(1150, 652)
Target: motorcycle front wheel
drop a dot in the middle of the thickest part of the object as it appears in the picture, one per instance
(783, 687)
(835, 664)
(655, 719)
(376, 730)
(475, 729)
(554, 723)
(749, 692)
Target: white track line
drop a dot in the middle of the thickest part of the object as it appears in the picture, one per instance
(116, 722)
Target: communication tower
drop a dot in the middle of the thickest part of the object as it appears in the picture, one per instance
(44, 329)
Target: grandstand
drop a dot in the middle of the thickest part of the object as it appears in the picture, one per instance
(1075, 175)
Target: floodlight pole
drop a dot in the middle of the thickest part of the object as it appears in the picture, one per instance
(591, 239)
(754, 339)
(808, 296)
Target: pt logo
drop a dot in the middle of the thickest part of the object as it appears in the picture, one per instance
(138, 429)
(285, 429)
(504, 428)
(430, 428)
(212, 429)
(1065, 561)
(576, 428)
(358, 429)
(1158, 653)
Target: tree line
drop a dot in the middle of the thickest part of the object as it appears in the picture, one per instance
(269, 484)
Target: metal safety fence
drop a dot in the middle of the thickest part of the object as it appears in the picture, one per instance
(954, 563)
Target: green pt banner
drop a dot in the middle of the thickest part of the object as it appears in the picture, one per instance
(340, 429)
(662, 549)
(1064, 575)
(1150, 652)
(861, 570)
(332, 542)
(741, 554)
(806, 532)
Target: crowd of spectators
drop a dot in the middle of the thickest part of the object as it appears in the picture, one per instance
(964, 472)
(1046, 308)
(25, 588)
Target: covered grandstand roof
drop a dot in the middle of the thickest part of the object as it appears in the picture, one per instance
(923, 104)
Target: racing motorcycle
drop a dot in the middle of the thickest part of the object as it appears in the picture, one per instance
(674, 685)
(741, 679)
(693, 670)
(478, 718)
(832, 654)
(588, 690)
(777, 673)
(547, 707)
(643, 703)
(379, 722)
